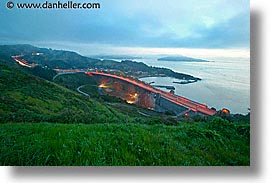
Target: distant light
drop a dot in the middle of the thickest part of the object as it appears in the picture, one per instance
(101, 86)
(225, 111)
(130, 101)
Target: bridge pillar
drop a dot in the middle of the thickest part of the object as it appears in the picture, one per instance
(164, 105)
(117, 86)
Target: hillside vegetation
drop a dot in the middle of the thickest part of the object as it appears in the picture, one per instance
(27, 98)
(47, 123)
(71, 60)
(190, 144)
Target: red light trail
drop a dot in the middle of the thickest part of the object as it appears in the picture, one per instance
(182, 101)
(192, 105)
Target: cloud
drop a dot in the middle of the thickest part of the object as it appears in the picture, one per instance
(234, 32)
(144, 23)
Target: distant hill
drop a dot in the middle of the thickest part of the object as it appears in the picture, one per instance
(71, 60)
(116, 57)
(181, 59)
(48, 57)
(32, 110)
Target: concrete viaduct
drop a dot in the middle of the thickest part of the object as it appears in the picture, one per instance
(162, 101)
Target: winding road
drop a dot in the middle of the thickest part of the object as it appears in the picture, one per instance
(83, 93)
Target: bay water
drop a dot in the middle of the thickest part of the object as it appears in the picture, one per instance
(225, 81)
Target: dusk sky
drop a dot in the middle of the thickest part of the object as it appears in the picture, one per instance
(124, 25)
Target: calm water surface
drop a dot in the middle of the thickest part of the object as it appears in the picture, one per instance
(225, 82)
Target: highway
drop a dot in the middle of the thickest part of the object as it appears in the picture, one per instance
(182, 101)
(191, 105)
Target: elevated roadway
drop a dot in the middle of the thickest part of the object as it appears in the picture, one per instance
(182, 101)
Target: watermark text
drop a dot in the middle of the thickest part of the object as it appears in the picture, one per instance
(54, 5)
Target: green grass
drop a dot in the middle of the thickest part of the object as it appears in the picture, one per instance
(216, 143)
(32, 111)
(27, 98)
(72, 81)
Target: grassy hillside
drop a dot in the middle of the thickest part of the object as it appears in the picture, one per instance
(89, 86)
(27, 98)
(72, 81)
(215, 143)
(45, 123)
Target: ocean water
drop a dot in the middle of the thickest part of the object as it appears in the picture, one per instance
(225, 82)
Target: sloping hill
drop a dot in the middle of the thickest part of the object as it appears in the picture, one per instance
(11, 50)
(217, 143)
(28, 103)
(71, 60)
(27, 98)
(48, 57)
(181, 59)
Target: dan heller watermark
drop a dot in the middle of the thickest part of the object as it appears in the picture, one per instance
(54, 5)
